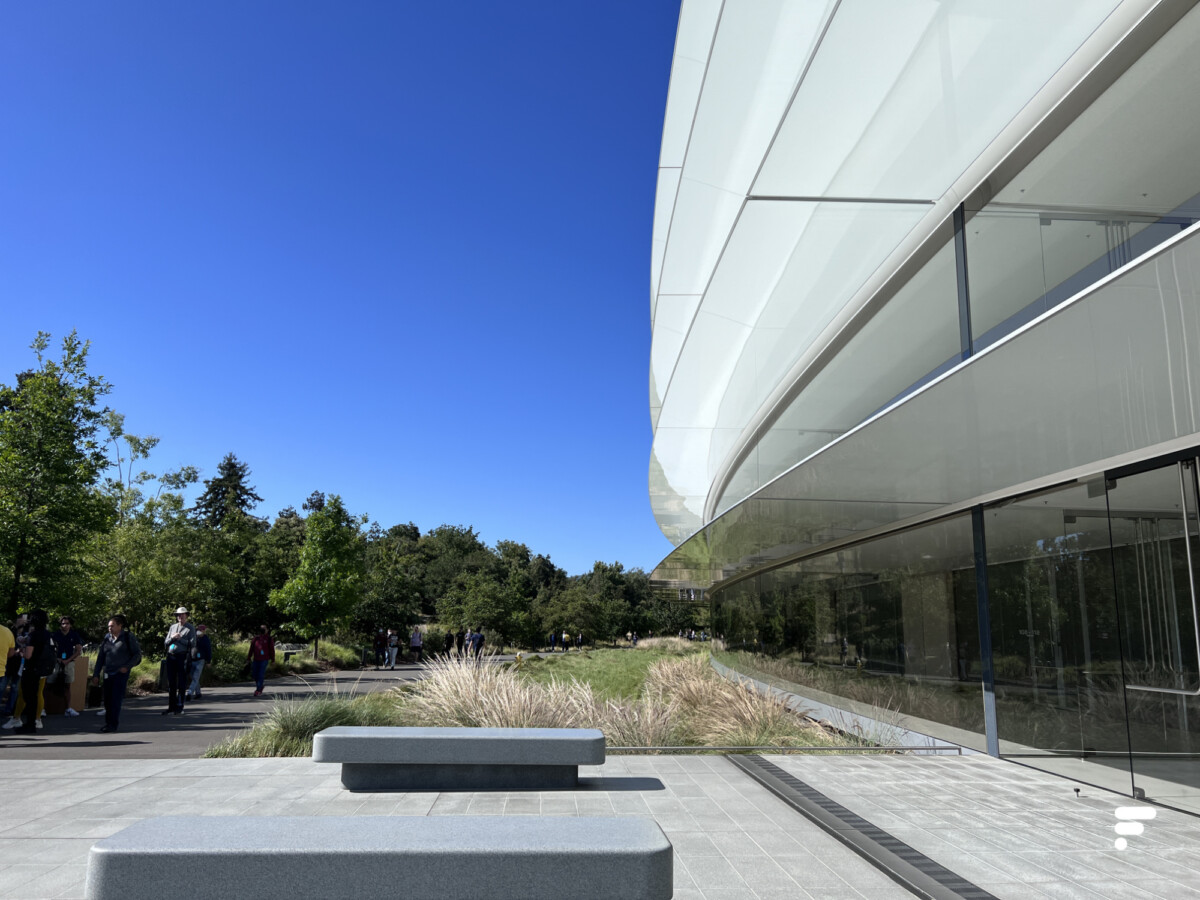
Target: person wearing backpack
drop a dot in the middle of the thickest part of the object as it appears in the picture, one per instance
(119, 654)
(261, 652)
(39, 662)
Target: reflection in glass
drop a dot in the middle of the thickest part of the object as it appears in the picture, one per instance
(1154, 528)
(891, 624)
(1055, 637)
(1122, 178)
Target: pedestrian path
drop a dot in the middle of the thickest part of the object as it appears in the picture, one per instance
(146, 734)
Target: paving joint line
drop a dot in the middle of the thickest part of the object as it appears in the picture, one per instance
(908, 867)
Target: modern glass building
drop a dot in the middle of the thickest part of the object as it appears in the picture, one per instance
(925, 303)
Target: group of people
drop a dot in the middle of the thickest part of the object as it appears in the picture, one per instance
(387, 644)
(387, 647)
(37, 658)
(566, 641)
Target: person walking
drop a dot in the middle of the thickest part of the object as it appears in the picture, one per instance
(180, 643)
(201, 656)
(416, 644)
(119, 653)
(262, 652)
(39, 662)
(379, 645)
(448, 644)
(393, 648)
(8, 651)
(12, 672)
(460, 640)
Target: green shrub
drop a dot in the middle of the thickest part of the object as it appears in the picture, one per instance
(339, 656)
(229, 664)
(288, 728)
(143, 678)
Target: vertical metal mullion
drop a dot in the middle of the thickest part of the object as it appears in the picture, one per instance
(1187, 546)
(985, 633)
(965, 340)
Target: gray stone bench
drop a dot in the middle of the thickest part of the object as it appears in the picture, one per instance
(459, 759)
(423, 856)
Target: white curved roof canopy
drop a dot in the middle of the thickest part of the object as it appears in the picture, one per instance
(806, 144)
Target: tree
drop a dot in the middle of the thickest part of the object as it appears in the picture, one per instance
(51, 460)
(226, 493)
(154, 558)
(391, 589)
(449, 553)
(328, 581)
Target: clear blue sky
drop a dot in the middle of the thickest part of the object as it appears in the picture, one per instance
(397, 251)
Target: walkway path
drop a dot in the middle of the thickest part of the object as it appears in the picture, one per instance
(146, 734)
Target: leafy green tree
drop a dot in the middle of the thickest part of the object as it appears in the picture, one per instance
(449, 553)
(279, 550)
(225, 493)
(392, 586)
(51, 460)
(153, 559)
(328, 581)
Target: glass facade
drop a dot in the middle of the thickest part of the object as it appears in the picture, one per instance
(891, 624)
(977, 511)
(1091, 613)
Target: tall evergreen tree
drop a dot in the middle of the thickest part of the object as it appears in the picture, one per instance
(227, 492)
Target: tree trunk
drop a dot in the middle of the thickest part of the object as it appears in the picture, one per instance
(316, 641)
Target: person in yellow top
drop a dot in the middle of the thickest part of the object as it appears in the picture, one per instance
(8, 649)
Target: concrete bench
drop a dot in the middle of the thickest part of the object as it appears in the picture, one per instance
(423, 856)
(459, 759)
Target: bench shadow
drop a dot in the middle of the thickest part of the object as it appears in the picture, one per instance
(619, 783)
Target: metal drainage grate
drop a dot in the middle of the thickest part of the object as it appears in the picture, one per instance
(900, 862)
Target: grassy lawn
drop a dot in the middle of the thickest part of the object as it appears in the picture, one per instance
(613, 674)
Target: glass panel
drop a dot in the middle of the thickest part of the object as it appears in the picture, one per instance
(914, 337)
(1055, 639)
(1154, 526)
(1120, 180)
(887, 629)
(1151, 564)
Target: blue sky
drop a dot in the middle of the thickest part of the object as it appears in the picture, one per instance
(393, 250)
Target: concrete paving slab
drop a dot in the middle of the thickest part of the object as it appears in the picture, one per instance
(1049, 841)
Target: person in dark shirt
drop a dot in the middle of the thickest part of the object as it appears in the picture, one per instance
(68, 645)
(200, 656)
(119, 653)
(35, 648)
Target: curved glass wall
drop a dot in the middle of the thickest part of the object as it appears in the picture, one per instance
(1092, 650)
(890, 624)
(1120, 180)
(803, 173)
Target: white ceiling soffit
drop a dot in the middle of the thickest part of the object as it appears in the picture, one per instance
(899, 98)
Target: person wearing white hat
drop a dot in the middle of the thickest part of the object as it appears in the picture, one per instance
(179, 644)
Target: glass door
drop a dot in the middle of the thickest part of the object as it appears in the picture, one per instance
(1153, 518)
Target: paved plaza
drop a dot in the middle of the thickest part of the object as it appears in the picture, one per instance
(1010, 831)
(1013, 831)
